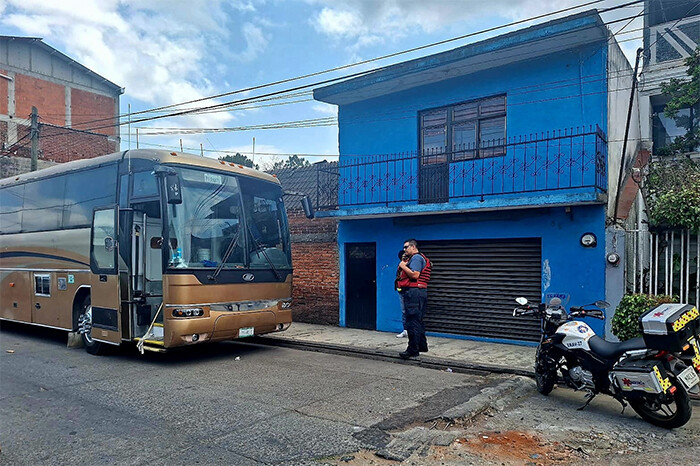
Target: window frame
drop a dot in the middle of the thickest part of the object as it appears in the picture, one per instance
(448, 156)
(45, 280)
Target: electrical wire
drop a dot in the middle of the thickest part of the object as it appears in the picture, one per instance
(383, 57)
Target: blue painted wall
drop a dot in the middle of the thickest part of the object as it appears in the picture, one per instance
(555, 92)
(551, 94)
(567, 266)
(562, 90)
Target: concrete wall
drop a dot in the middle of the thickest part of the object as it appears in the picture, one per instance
(619, 91)
(567, 267)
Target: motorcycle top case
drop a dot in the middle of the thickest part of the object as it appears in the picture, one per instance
(669, 326)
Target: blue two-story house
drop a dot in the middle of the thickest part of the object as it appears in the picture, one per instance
(501, 158)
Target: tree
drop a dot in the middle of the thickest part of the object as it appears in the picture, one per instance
(240, 160)
(684, 94)
(294, 161)
(672, 183)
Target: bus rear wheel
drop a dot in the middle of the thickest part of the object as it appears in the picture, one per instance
(85, 328)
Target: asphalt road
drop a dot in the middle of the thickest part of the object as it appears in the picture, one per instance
(228, 403)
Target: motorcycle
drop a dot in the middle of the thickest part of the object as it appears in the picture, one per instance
(653, 380)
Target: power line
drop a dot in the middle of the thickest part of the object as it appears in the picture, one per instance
(319, 83)
(383, 57)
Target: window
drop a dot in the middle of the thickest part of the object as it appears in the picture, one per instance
(42, 284)
(86, 190)
(464, 131)
(43, 204)
(665, 129)
(144, 185)
(11, 199)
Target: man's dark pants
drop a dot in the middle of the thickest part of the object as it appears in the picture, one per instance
(414, 302)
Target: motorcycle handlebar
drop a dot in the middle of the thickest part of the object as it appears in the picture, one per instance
(574, 311)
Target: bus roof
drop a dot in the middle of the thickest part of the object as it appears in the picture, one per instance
(162, 156)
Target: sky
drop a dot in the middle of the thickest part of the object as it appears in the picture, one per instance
(165, 52)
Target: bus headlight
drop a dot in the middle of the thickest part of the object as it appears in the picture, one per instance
(188, 312)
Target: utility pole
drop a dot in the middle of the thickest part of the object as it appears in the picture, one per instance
(35, 139)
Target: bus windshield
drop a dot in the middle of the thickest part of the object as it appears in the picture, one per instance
(236, 220)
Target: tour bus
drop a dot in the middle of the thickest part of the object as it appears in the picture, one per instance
(160, 248)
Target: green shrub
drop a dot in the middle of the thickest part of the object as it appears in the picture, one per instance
(625, 323)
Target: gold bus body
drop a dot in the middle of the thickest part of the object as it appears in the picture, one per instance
(64, 257)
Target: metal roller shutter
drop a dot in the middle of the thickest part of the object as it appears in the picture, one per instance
(474, 284)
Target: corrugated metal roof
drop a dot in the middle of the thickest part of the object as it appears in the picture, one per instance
(302, 179)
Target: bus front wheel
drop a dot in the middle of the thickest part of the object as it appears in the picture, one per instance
(85, 328)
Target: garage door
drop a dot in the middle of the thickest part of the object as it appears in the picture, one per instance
(474, 284)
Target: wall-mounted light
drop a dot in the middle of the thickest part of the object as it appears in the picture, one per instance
(588, 240)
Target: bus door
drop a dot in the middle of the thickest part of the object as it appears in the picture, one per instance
(104, 279)
(146, 267)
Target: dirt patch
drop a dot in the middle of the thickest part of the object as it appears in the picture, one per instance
(515, 447)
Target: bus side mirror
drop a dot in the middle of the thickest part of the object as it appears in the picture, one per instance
(307, 206)
(172, 189)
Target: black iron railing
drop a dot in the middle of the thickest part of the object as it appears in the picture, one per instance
(570, 159)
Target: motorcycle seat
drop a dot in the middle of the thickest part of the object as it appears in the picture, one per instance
(610, 350)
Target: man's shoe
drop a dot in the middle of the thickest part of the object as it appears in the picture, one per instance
(403, 334)
(407, 355)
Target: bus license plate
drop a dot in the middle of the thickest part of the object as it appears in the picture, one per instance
(246, 332)
(689, 377)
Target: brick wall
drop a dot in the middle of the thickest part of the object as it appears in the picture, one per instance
(59, 144)
(49, 99)
(86, 107)
(316, 269)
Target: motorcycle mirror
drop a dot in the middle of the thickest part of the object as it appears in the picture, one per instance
(602, 304)
(522, 301)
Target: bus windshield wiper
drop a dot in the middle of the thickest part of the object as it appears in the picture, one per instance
(261, 248)
(224, 258)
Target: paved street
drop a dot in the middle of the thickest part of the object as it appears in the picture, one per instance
(242, 403)
(273, 405)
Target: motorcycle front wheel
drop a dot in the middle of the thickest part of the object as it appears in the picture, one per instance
(675, 412)
(545, 371)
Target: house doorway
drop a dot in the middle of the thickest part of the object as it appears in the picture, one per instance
(361, 285)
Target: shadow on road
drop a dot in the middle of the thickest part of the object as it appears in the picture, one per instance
(127, 351)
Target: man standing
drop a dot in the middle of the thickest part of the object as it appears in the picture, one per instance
(415, 297)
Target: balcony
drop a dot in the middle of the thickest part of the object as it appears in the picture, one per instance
(563, 167)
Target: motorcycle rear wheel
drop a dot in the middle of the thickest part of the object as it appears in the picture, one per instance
(670, 415)
(545, 372)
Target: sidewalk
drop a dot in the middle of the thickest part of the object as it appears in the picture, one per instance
(452, 352)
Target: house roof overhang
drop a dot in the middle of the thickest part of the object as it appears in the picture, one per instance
(525, 44)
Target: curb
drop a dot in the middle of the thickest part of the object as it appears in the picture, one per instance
(423, 360)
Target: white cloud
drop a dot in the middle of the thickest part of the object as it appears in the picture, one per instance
(256, 42)
(362, 23)
(158, 50)
(326, 109)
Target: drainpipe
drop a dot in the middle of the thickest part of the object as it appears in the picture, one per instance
(627, 131)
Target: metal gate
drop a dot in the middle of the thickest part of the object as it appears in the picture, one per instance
(474, 284)
(666, 262)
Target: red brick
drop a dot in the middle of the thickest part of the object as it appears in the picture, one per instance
(86, 107)
(49, 99)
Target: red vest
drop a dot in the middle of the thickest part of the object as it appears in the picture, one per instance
(424, 277)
